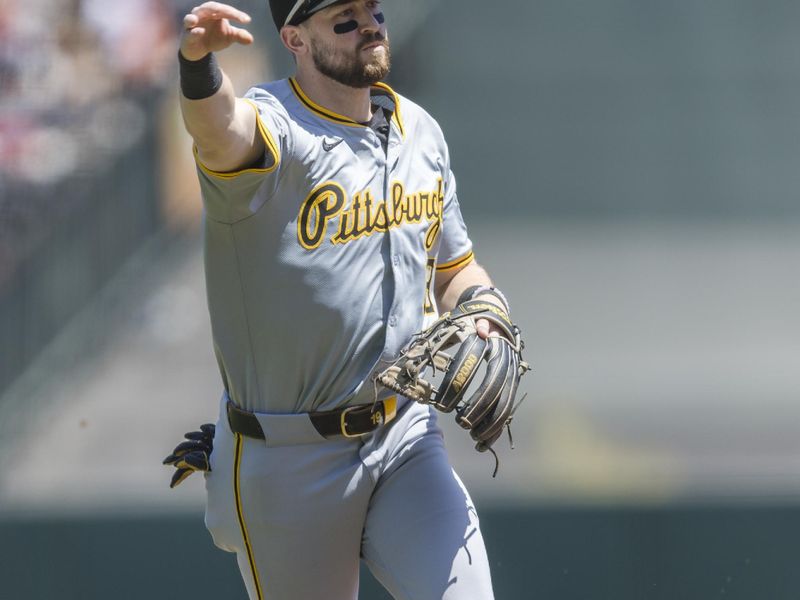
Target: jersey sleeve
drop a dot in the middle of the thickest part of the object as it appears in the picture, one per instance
(455, 250)
(229, 197)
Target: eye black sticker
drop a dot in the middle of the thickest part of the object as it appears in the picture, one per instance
(345, 27)
(352, 25)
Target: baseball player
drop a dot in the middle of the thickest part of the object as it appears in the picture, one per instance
(332, 235)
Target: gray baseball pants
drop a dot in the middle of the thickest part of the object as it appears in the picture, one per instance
(300, 511)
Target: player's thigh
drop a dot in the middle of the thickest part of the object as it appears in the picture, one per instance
(294, 516)
(422, 538)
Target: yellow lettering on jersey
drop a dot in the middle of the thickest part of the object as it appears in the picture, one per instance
(363, 216)
(381, 217)
(435, 214)
(324, 203)
(398, 209)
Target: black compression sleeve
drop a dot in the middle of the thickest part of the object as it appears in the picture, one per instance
(199, 78)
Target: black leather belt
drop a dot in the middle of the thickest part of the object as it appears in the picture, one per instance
(349, 422)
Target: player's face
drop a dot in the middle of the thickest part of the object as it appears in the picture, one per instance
(349, 43)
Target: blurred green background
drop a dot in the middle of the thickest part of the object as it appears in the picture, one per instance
(629, 174)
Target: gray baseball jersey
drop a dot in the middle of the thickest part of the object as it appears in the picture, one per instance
(319, 264)
(320, 260)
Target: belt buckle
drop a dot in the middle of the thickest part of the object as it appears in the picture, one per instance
(343, 423)
(377, 417)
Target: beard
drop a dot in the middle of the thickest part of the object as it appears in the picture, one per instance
(352, 70)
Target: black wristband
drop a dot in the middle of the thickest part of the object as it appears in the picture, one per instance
(199, 78)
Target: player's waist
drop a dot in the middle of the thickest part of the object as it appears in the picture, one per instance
(305, 428)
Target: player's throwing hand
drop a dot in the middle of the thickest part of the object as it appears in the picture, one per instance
(208, 29)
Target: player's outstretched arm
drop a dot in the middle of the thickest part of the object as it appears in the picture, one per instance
(223, 127)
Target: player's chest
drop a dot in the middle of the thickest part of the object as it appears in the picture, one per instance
(360, 159)
(354, 187)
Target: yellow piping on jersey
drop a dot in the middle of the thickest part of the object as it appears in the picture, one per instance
(268, 141)
(455, 264)
(240, 514)
(316, 108)
(341, 119)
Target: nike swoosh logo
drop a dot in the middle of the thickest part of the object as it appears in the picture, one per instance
(330, 146)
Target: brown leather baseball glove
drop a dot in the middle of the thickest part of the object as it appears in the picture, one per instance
(483, 404)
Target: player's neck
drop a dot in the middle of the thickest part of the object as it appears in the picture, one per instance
(344, 100)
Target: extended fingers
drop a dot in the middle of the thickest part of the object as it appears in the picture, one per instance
(203, 20)
(241, 35)
(218, 10)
